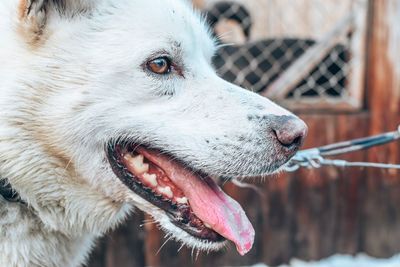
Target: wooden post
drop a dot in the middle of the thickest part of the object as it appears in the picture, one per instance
(383, 81)
(383, 77)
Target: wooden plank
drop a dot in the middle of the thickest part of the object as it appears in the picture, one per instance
(381, 231)
(383, 79)
(331, 105)
(358, 54)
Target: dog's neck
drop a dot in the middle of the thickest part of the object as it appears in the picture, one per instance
(20, 228)
(8, 193)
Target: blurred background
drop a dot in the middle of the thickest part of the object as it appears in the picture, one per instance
(337, 65)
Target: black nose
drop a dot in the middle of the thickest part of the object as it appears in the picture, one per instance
(290, 131)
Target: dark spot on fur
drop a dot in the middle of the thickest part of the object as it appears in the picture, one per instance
(3, 213)
(278, 120)
(259, 107)
(253, 117)
(5, 228)
(267, 117)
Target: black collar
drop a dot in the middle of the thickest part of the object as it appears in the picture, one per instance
(8, 193)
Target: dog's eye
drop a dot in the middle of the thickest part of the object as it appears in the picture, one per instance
(161, 65)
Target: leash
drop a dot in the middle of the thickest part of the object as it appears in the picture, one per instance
(315, 157)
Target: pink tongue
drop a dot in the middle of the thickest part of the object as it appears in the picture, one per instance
(210, 203)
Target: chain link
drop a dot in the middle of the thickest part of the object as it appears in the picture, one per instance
(313, 158)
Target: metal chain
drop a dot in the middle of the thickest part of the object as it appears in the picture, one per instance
(313, 158)
(343, 163)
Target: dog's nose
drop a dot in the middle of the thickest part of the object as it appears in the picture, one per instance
(290, 131)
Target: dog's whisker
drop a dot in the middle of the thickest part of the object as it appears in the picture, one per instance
(192, 253)
(226, 180)
(148, 223)
(225, 45)
(181, 247)
(149, 220)
(197, 254)
(165, 242)
(241, 184)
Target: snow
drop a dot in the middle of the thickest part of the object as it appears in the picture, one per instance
(360, 260)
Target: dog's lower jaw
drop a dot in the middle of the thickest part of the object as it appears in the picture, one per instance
(173, 232)
(177, 234)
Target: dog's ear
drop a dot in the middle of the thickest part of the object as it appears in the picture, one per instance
(33, 14)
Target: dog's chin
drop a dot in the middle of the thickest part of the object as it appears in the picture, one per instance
(174, 232)
(186, 203)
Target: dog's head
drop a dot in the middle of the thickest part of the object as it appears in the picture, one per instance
(121, 98)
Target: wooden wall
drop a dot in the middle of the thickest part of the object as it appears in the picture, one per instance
(312, 213)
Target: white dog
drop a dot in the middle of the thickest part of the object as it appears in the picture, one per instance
(106, 105)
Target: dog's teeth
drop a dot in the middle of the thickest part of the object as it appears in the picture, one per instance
(166, 191)
(142, 168)
(207, 225)
(182, 200)
(128, 156)
(150, 179)
(137, 163)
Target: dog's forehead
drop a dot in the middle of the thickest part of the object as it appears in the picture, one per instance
(168, 21)
(164, 12)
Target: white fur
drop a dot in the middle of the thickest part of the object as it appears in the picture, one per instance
(65, 96)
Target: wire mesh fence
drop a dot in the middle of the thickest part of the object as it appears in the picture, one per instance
(295, 60)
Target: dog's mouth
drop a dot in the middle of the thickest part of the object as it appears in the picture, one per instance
(193, 202)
